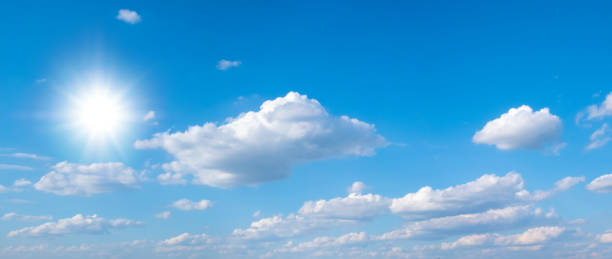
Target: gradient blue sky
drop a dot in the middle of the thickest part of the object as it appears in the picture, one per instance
(424, 77)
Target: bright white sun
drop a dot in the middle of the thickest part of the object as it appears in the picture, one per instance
(99, 114)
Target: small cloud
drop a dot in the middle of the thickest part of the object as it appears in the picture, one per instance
(599, 138)
(149, 116)
(357, 187)
(21, 182)
(128, 16)
(225, 64)
(163, 215)
(256, 214)
(556, 149)
(187, 205)
(41, 81)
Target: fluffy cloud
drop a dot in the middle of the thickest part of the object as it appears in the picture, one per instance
(357, 187)
(279, 227)
(494, 219)
(488, 191)
(261, 146)
(520, 128)
(15, 216)
(490, 200)
(531, 236)
(78, 224)
(599, 138)
(353, 207)
(326, 242)
(602, 110)
(185, 204)
(225, 64)
(601, 184)
(128, 16)
(76, 179)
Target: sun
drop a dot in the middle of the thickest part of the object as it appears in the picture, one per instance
(99, 114)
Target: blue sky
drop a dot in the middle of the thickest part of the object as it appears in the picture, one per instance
(241, 129)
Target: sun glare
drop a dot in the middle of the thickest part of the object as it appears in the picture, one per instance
(99, 113)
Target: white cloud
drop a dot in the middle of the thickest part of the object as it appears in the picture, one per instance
(279, 227)
(225, 64)
(262, 146)
(256, 214)
(599, 138)
(149, 116)
(163, 215)
(325, 242)
(78, 224)
(530, 237)
(15, 216)
(128, 16)
(520, 128)
(488, 191)
(185, 204)
(601, 184)
(76, 179)
(605, 238)
(21, 182)
(4, 189)
(494, 219)
(602, 110)
(41, 81)
(186, 242)
(353, 207)
(15, 167)
(30, 156)
(357, 187)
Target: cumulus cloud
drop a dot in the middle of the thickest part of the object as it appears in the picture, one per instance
(599, 111)
(262, 146)
(18, 217)
(489, 201)
(531, 236)
(186, 242)
(185, 204)
(325, 242)
(520, 128)
(494, 219)
(488, 191)
(163, 215)
(225, 64)
(78, 224)
(357, 187)
(76, 179)
(283, 227)
(602, 184)
(599, 138)
(353, 207)
(128, 16)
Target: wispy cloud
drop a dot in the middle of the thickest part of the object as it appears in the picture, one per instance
(225, 64)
